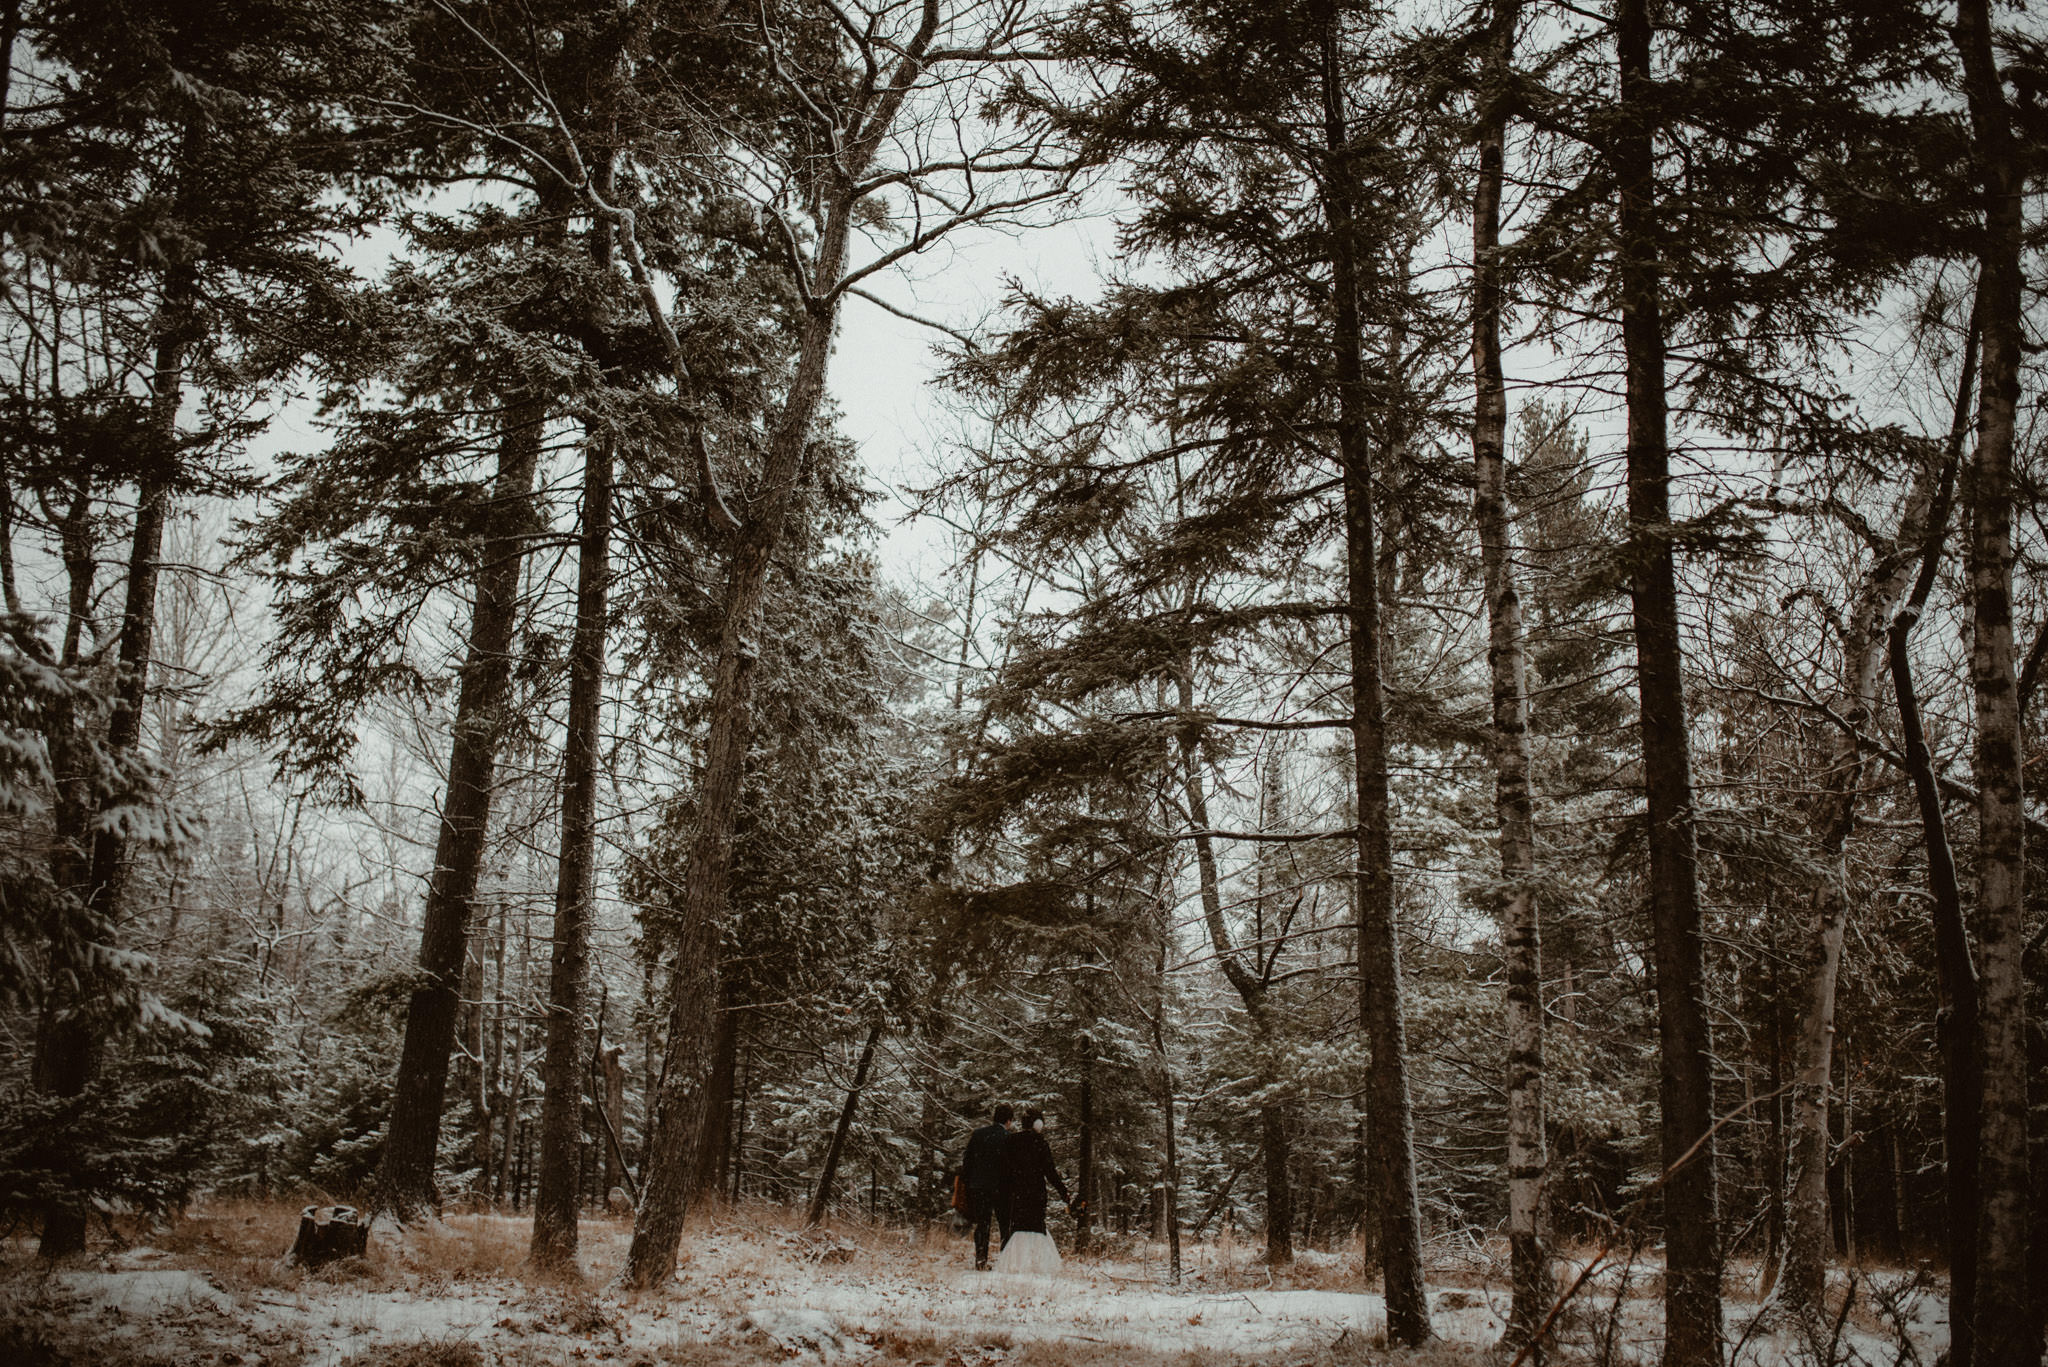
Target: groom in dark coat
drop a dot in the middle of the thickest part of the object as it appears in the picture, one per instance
(984, 1170)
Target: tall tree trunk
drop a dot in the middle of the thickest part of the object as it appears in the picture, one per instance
(821, 1200)
(405, 1172)
(612, 1071)
(494, 1082)
(678, 1122)
(1809, 1234)
(1507, 658)
(739, 1127)
(680, 1102)
(567, 1060)
(2005, 1329)
(1692, 1233)
(70, 1038)
(1084, 1179)
(475, 1074)
(1276, 1137)
(1168, 1215)
(1379, 946)
(1955, 972)
(562, 1069)
(1774, 1157)
(1250, 987)
(1832, 817)
(714, 1160)
(564, 1063)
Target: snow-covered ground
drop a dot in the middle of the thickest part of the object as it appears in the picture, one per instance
(751, 1289)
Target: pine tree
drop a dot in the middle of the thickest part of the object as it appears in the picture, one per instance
(181, 142)
(1245, 114)
(859, 161)
(358, 543)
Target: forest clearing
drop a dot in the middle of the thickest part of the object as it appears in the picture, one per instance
(757, 1288)
(1059, 681)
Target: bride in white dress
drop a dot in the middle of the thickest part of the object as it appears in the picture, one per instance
(1027, 1159)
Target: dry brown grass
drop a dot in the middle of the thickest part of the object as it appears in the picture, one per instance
(424, 1353)
(43, 1325)
(243, 1245)
(29, 1334)
(229, 1234)
(746, 1354)
(733, 1257)
(989, 1350)
(467, 1248)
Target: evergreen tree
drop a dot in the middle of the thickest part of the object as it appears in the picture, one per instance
(186, 143)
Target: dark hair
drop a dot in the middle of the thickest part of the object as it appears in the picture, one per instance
(1003, 1113)
(1032, 1115)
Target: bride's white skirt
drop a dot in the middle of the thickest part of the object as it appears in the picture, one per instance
(1028, 1252)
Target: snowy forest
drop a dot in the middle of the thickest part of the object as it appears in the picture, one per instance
(1417, 620)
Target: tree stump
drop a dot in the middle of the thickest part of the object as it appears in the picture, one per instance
(329, 1233)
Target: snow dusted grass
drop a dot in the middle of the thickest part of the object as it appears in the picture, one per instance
(754, 1288)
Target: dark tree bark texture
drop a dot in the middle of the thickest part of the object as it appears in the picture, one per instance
(821, 1200)
(1955, 970)
(1388, 1115)
(405, 1174)
(681, 1103)
(1692, 1238)
(561, 1112)
(2007, 1332)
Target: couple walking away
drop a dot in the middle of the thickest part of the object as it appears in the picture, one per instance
(1002, 1179)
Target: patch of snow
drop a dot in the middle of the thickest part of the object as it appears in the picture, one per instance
(163, 1292)
(1090, 1306)
(753, 1280)
(802, 1333)
(337, 1321)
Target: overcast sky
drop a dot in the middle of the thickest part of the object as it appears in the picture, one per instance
(883, 366)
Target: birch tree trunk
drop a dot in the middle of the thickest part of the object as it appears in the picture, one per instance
(1507, 658)
(2006, 1331)
(405, 1172)
(1168, 1214)
(1809, 1238)
(1692, 1236)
